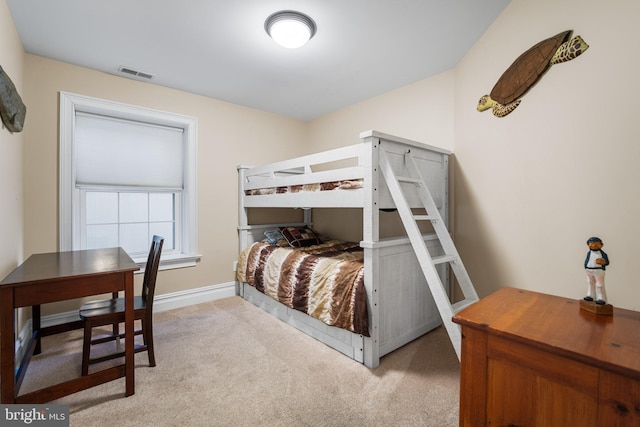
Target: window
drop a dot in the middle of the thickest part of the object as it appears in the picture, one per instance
(117, 217)
(127, 173)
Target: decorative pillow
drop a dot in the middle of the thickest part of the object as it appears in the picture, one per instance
(273, 236)
(299, 237)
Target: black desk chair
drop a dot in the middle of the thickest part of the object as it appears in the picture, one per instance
(111, 312)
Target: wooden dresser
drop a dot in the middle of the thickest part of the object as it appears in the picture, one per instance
(537, 360)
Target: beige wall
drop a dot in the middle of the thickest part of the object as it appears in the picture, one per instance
(533, 186)
(11, 218)
(422, 111)
(11, 59)
(228, 135)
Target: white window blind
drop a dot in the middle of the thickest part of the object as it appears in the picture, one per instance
(111, 151)
(126, 173)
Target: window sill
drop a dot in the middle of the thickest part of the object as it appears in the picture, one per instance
(170, 262)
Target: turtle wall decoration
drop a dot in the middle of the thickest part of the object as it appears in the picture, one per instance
(528, 68)
(12, 109)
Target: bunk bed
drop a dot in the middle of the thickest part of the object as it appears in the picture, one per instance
(399, 306)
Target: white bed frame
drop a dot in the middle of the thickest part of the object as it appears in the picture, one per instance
(400, 304)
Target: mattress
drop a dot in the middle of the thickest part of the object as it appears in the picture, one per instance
(323, 186)
(325, 281)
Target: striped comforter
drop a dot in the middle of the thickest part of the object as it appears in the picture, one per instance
(324, 281)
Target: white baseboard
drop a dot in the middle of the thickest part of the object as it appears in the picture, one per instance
(194, 296)
(161, 303)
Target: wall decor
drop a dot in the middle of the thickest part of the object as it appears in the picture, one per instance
(527, 69)
(12, 109)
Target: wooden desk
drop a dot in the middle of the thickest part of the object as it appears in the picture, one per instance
(58, 276)
(531, 359)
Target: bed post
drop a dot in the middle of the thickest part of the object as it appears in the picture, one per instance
(308, 219)
(243, 221)
(370, 234)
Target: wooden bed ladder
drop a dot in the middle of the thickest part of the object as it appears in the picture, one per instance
(427, 262)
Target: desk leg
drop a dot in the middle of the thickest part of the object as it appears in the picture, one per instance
(7, 347)
(128, 337)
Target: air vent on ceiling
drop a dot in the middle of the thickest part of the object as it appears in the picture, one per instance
(136, 73)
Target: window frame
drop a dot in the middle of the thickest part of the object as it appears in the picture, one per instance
(69, 215)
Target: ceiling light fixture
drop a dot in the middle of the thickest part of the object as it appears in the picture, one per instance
(289, 28)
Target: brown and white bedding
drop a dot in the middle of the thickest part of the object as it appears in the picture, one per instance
(323, 186)
(325, 281)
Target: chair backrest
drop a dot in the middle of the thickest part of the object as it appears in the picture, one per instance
(151, 271)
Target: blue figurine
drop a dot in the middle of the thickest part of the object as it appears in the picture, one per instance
(595, 264)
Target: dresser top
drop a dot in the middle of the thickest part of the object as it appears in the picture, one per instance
(558, 325)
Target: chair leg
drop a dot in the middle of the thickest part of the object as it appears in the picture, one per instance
(147, 328)
(86, 347)
(115, 329)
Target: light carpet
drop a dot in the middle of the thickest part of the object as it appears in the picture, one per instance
(228, 363)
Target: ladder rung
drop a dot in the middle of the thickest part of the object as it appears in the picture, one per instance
(425, 218)
(409, 179)
(461, 305)
(444, 258)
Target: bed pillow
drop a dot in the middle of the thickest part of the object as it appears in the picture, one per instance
(299, 237)
(274, 237)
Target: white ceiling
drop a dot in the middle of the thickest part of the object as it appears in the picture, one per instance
(219, 48)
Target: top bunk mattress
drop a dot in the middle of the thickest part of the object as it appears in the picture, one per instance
(322, 186)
